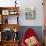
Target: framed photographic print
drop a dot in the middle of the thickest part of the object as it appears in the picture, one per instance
(5, 12)
(30, 14)
(13, 12)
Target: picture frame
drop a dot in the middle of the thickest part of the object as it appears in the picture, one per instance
(5, 12)
(30, 14)
(13, 12)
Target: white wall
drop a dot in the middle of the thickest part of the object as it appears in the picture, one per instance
(7, 3)
(23, 4)
(39, 13)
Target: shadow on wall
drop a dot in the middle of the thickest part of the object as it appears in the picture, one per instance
(37, 29)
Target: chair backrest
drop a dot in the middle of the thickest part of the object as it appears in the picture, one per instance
(29, 32)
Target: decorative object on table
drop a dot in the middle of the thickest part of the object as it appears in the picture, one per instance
(30, 38)
(30, 14)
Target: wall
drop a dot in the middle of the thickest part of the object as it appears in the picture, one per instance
(6, 3)
(24, 4)
(39, 13)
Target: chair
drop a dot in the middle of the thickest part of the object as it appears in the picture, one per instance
(29, 33)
